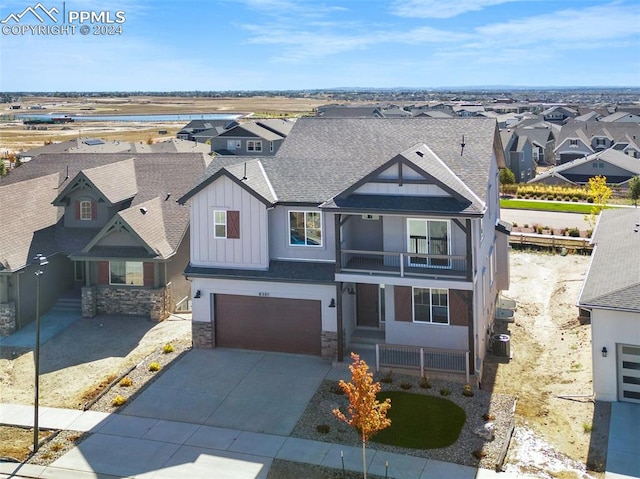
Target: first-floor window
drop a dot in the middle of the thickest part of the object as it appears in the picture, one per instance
(431, 305)
(219, 224)
(305, 228)
(126, 272)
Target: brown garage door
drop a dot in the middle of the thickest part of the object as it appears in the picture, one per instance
(268, 324)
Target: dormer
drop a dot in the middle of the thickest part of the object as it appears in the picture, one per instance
(95, 195)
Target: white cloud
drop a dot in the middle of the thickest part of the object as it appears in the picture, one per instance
(441, 8)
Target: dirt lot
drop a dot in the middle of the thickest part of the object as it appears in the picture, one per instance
(550, 349)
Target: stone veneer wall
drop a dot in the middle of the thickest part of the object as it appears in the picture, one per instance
(202, 334)
(134, 301)
(89, 302)
(7, 318)
(329, 345)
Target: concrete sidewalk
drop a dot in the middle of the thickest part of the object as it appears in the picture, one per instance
(128, 446)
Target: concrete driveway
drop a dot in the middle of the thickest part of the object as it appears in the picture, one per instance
(236, 389)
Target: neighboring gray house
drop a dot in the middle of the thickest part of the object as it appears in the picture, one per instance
(621, 117)
(251, 138)
(617, 167)
(194, 129)
(384, 226)
(518, 154)
(610, 296)
(559, 114)
(108, 224)
(542, 144)
(578, 139)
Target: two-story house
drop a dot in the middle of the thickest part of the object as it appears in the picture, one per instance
(578, 139)
(109, 226)
(383, 225)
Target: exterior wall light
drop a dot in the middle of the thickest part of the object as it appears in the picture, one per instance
(604, 351)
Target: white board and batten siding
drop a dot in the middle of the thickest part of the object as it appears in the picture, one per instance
(407, 189)
(251, 250)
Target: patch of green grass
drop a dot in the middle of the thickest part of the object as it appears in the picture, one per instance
(547, 206)
(420, 422)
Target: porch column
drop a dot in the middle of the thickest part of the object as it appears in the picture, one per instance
(469, 251)
(336, 220)
(339, 321)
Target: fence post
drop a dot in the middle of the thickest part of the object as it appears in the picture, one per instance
(421, 362)
(377, 358)
(466, 365)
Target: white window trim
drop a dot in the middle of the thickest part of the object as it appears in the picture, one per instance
(215, 224)
(83, 204)
(254, 145)
(305, 229)
(413, 307)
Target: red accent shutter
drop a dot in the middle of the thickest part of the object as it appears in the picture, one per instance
(103, 272)
(148, 276)
(77, 210)
(403, 303)
(233, 224)
(94, 210)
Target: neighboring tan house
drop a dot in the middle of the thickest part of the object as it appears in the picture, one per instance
(385, 226)
(578, 139)
(251, 138)
(617, 167)
(610, 296)
(110, 227)
(621, 117)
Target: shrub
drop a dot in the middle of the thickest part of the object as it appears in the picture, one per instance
(336, 389)
(467, 391)
(478, 454)
(323, 429)
(168, 348)
(586, 427)
(388, 377)
(126, 382)
(514, 224)
(573, 232)
(526, 225)
(574, 198)
(537, 228)
(405, 385)
(118, 400)
(425, 383)
(154, 367)
(445, 392)
(488, 417)
(56, 446)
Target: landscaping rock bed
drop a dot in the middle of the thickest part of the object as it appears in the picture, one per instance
(500, 406)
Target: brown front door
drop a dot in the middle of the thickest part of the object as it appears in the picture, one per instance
(367, 305)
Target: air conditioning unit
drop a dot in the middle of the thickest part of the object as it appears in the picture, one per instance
(371, 217)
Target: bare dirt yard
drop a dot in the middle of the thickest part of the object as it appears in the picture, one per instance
(558, 431)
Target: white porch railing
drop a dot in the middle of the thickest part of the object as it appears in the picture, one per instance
(403, 264)
(422, 359)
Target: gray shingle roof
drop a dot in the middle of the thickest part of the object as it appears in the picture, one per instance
(288, 271)
(322, 157)
(613, 278)
(157, 176)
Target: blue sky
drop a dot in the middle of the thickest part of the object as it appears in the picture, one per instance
(287, 44)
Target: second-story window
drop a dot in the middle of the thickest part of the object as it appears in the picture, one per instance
(253, 145)
(305, 228)
(86, 212)
(219, 224)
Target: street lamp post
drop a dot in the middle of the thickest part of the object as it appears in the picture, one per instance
(36, 351)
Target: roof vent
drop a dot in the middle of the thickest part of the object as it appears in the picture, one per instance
(143, 210)
(420, 154)
(168, 196)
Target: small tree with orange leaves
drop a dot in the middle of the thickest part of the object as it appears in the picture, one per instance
(365, 414)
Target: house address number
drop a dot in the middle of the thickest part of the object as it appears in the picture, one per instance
(263, 293)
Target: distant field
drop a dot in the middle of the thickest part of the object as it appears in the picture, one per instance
(14, 137)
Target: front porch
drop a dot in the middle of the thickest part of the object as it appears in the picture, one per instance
(370, 345)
